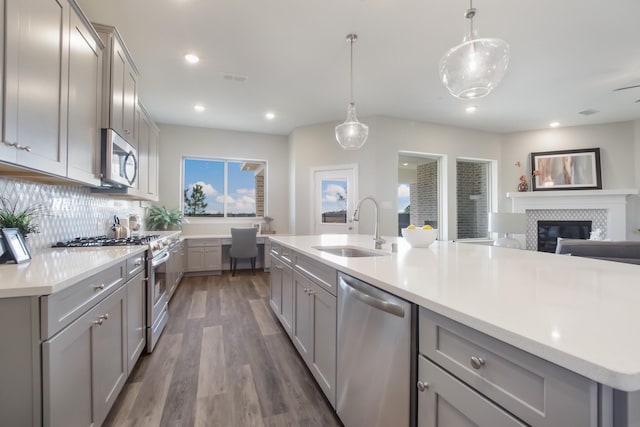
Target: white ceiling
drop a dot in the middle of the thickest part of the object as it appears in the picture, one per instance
(566, 56)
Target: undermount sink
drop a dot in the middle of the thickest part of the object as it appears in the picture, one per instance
(348, 251)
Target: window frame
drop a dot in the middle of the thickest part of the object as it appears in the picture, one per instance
(224, 217)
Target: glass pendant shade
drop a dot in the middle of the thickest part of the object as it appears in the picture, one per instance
(352, 134)
(475, 67)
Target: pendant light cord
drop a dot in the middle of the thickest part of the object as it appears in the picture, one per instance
(351, 38)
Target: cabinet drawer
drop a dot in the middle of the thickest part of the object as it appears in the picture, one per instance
(537, 391)
(282, 253)
(206, 243)
(60, 309)
(447, 402)
(322, 274)
(135, 264)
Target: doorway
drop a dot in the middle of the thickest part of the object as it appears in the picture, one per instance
(419, 182)
(334, 195)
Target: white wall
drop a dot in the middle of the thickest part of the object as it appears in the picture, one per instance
(179, 141)
(315, 145)
(619, 145)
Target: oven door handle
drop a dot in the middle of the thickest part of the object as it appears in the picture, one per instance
(161, 260)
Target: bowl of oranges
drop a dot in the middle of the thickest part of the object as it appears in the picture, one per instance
(419, 237)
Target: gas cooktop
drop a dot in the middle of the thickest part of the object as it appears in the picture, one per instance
(107, 241)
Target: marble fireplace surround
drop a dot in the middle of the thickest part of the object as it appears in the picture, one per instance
(584, 204)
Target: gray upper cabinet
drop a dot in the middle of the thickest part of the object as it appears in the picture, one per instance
(147, 135)
(120, 85)
(36, 81)
(51, 92)
(85, 101)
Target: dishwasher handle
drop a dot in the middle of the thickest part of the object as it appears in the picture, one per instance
(359, 292)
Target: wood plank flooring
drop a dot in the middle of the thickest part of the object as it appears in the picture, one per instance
(223, 360)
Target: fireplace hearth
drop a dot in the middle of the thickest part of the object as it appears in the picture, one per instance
(549, 231)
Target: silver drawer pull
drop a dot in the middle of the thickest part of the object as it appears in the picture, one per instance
(138, 263)
(477, 362)
(99, 287)
(422, 386)
(106, 316)
(22, 147)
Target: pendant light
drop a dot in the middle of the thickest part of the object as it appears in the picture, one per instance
(476, 66)
(351, 134)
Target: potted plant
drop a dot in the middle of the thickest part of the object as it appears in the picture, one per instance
(22, 219)
(159, 218)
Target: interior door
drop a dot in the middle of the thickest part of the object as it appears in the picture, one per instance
(334, 196)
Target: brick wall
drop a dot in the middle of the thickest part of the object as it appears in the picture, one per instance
(424, 196)
(472, 199)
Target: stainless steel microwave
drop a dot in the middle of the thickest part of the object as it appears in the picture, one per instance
(119, 161)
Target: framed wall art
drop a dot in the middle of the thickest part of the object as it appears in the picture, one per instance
(15, 244)
(566, 170)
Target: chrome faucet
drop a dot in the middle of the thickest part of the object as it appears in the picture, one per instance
(356, 217)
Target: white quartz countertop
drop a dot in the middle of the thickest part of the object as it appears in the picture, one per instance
(52, 270)
(579, 313)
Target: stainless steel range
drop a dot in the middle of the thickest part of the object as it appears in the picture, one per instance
(158, 253)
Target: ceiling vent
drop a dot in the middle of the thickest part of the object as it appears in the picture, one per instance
(588, 112)
(234, 77)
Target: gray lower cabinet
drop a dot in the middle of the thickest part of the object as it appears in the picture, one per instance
(281, 293)
(204, 255)
(136, 319)
(85, 365)
(527, 388)
(447, 402)
(314, 333)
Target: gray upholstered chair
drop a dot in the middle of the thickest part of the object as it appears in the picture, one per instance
(619, 251)
(243, 245)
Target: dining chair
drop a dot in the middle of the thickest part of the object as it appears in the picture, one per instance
(243, 245)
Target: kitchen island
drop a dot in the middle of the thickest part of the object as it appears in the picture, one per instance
(580, 314)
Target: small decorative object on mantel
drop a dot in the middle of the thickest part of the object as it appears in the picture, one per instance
(567, 170)
(523, 185)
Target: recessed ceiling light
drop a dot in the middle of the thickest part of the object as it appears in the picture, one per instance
(191, 58)
(405, 164)
(472, 109)
(554, 124)
(199, 108)
(270, 116)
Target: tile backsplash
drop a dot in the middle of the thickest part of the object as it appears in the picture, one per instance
(69, 211)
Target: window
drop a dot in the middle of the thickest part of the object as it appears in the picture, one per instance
(223, 188)
(334, 201)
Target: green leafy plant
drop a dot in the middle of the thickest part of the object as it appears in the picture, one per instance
(22, 219)
(159, 218)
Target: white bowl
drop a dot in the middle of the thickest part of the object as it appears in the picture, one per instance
(419, 238)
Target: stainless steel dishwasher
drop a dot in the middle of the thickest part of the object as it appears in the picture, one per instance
(376, 367)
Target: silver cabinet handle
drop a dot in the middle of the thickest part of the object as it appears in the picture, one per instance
(22, 147)
(477, 362)
(127, 131)
(422, 386)
(99, 287)
(138, 263)
(101, 319)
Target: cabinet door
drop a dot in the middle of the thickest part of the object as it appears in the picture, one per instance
(109, 352)
(66, 375)
(129, 103)
(275, 282)
(447, 402)
(118, 72)
(136, 325)
(85, 79)
(287, 299)
(195, 259)
(143, 151)
(322, 357)
(152, 171)
(212, 258)
(36, 82)
(302, 317)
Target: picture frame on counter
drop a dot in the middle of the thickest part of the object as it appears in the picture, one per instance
(566, 170)
(15, 246)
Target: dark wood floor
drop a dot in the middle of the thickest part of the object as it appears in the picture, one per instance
(223, 360)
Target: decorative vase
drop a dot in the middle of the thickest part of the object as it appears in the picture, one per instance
(523, 185)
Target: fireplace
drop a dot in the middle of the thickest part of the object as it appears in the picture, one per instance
(606, 209)
(549, 231)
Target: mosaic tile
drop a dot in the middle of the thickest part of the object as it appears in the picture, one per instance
(598, 218)
(69, 211)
